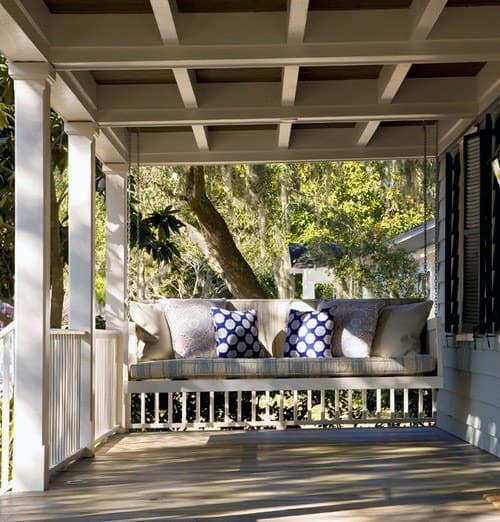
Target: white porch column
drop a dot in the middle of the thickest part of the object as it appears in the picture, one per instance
(308, 285)
(81, 206)
(32, 277)
(116, 273)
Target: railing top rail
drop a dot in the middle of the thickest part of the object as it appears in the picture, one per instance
(106, 333)
(8, 329)
(55, 331)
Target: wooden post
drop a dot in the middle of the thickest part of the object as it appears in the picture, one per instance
(116, 276)
(32, 287)
(81, 205)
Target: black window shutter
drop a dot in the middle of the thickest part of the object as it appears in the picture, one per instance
(452, 208)
(480, 234)
(496, 239)
(472, 236)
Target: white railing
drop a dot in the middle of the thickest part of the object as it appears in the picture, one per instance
(64, 395)
(279, 409)
(7, 336)
(65, 392)
(105, 377)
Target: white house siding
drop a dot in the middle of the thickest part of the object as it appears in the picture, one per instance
(469, 404)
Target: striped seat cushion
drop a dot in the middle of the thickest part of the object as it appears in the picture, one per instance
(284, 367)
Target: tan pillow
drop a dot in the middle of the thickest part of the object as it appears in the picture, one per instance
(191, 327)
(152, 330)
(354, 327)
(399, 329)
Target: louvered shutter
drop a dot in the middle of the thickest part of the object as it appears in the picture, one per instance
(452, 219)
(472, 222)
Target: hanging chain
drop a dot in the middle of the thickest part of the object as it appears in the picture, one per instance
(140, 267)
(138, 194)
(437, 203)
(425, 285)
(129, 220)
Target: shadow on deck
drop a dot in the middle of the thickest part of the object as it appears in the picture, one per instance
(269, 476)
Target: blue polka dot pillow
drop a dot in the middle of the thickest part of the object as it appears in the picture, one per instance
(236, 334)
(309, 334)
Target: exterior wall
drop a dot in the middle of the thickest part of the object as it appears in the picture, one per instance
(469, 404)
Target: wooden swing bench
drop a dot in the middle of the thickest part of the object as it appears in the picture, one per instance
(280, 375)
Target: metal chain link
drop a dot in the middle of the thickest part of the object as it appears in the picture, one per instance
(437, 204)
(425, 285)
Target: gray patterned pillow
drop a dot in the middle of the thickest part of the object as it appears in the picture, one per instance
(191, 326)
(355, 326)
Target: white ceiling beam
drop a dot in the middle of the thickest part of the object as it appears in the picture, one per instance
(289, 85)
(280, 155)
(424, 15)
(185, 82)
(364, 132)
(284, 135)
(20, 40)
(390, 80)
(279, 55)
(297, 20)
(274, 114)
(164, 15)
(201, 137)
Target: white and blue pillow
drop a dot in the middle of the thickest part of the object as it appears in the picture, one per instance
(309, 334)
(236, 334)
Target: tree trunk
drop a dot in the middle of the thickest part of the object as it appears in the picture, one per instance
(236, 271)
(56, 262)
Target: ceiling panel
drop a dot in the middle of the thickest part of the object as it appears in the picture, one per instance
(355, 5)
(342, 72)
(239, 128)
(328, 125)
(158, 130)
(98, 6)
(445, 70)
(406, 123)
(133, 77)
(230, 6)
(271, 74)
(471, 3)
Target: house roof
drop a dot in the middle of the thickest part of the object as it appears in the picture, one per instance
(213, 81)
(416, 238)
(307, 256)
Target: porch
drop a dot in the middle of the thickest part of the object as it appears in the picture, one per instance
(213, 87)
(348, 474)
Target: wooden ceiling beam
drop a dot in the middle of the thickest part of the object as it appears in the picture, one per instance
(164, 15)
(280, 55)
(297, 20)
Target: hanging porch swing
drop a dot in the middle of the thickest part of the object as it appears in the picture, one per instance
(164, 340)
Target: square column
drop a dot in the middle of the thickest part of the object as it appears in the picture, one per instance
(81, 210)
(116, 274)
(32, 274)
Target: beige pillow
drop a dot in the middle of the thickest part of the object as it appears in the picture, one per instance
(191, 327)
(354, 326)
(399, 329)
(152, 330)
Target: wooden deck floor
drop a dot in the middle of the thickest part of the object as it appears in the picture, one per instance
(296, 475)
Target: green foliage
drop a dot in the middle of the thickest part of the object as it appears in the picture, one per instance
(357, 205)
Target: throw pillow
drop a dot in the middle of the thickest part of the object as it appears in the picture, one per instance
(152, 332)
(309, 334)
(236, 334)
(355, 325)
(191, 327)
(399, 329)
